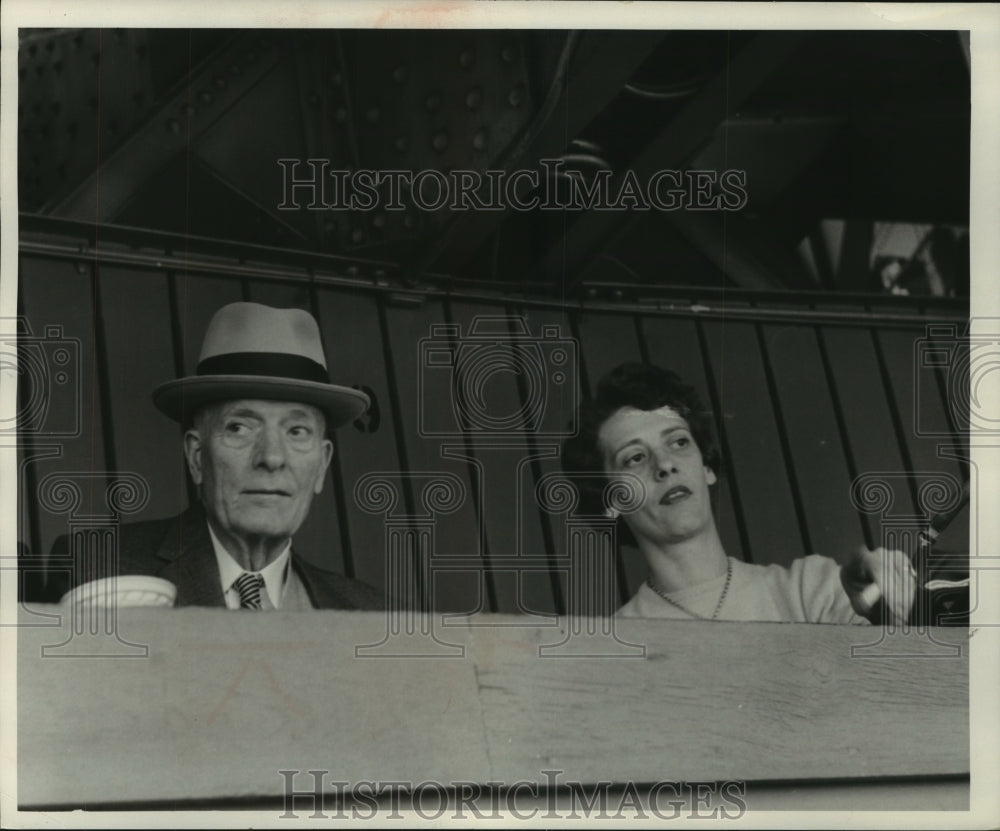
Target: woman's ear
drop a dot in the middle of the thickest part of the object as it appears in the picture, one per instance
(710, 476)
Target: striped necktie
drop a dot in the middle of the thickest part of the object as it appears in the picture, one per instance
(249, 586)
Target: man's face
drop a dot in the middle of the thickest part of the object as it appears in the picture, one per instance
(657, 446)
(258, 465)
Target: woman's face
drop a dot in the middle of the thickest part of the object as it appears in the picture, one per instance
(658, 447)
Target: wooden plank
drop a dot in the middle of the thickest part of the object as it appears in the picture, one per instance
(70, 416)
(352, 336)
(319, 539)
(769, 695)
(607, 340)
(673, 344)
(870, 435)
(498, 452)
(922, 411)
(457, 534)
(135, 311)
(547, 539)
(183, 712)
(198, 299)
(758, 463)
(814, 440)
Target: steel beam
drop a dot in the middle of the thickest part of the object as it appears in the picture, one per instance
(603, 62)
(681, 139)
(222, 81)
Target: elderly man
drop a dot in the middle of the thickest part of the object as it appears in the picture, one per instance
(257, 416)
(645, 422)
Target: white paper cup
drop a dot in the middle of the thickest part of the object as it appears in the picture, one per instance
(123, 590)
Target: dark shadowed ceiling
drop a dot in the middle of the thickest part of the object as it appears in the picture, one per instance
(844, 138)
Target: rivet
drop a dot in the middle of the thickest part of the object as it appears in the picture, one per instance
(409, 221)
(353, 271)
(479, 139)
(440, 141)
(401, 143)
(399, 74)
(507, 54)
(329, 226)
(372, 114)
(81, 268)
(314, 100)
(336, 79)
(378, 221)
(474, 98)
(516, 97)
(357, 235)
(467, 58)
(340, 114)
(190, 109)
(433, 102)
(220, 82)
(205, 97)
(234, 68)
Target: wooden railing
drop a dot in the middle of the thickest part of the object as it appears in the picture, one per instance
(203, 708)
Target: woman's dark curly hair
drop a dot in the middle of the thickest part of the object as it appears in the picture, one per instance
(644, 387)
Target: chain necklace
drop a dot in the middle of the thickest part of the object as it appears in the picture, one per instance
(718, 606)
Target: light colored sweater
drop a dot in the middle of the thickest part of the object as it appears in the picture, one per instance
(807, 591)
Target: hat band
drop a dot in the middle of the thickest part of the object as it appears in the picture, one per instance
(268, 364)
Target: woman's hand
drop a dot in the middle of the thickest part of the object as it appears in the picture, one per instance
(884, 574)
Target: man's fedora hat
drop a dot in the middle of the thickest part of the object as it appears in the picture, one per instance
(255, 351)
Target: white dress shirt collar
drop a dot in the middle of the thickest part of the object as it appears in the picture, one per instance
(275, 573)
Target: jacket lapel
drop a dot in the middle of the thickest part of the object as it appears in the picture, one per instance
(191, 565)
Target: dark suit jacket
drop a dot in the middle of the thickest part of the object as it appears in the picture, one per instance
(179, 549)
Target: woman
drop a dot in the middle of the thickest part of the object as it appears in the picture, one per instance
(645, 422)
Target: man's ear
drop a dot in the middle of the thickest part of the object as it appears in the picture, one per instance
(710, 476)
(192, 452)
(327, 458)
